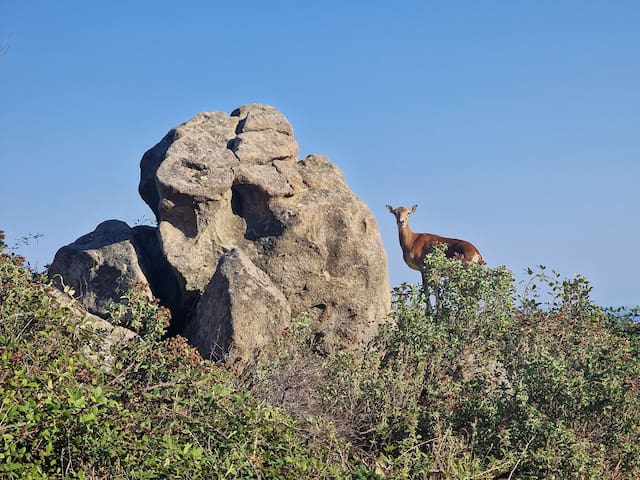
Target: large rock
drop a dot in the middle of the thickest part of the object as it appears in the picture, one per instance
(220, 182)
(249, 236)
(241, 313)
(103, 264)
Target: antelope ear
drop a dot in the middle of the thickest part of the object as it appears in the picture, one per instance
(390, 208)
(413, 209)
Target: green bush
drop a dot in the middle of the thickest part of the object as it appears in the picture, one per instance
(158, 411)
(137, 312)
(481, 385)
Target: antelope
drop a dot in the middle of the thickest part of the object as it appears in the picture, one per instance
(415, 246)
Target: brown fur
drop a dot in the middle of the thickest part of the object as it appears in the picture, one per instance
(415, 246)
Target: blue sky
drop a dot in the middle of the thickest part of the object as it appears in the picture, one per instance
(515, 125)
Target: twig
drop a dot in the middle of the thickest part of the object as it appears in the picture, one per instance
(524, 450)
(513, 470)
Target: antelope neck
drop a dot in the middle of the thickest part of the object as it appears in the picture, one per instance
(405, 234)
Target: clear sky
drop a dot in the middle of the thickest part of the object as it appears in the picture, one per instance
(512, 124)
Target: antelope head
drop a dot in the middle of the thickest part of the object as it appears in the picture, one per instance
(402, 214)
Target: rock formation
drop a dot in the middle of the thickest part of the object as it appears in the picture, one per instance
(254, 237)
(101, 265)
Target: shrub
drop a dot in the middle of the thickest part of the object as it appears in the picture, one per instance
(137, 312)
(159, 411)
(481, 385)
(478, 386)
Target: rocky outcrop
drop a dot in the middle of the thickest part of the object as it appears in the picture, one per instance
(103, 264)
(254, 236)
(235, 182)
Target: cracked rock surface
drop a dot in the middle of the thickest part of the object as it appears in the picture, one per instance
(256, 236)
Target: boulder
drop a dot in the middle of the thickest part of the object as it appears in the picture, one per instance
(221, 183)
(249, 237)
(241, 313)
(103, 264)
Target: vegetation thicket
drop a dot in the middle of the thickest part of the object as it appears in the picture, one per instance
(157, 411)
(484, 383)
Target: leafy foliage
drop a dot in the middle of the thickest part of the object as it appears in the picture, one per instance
(137, 312)
(479, 387)
(158, 411)
(483, 384)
